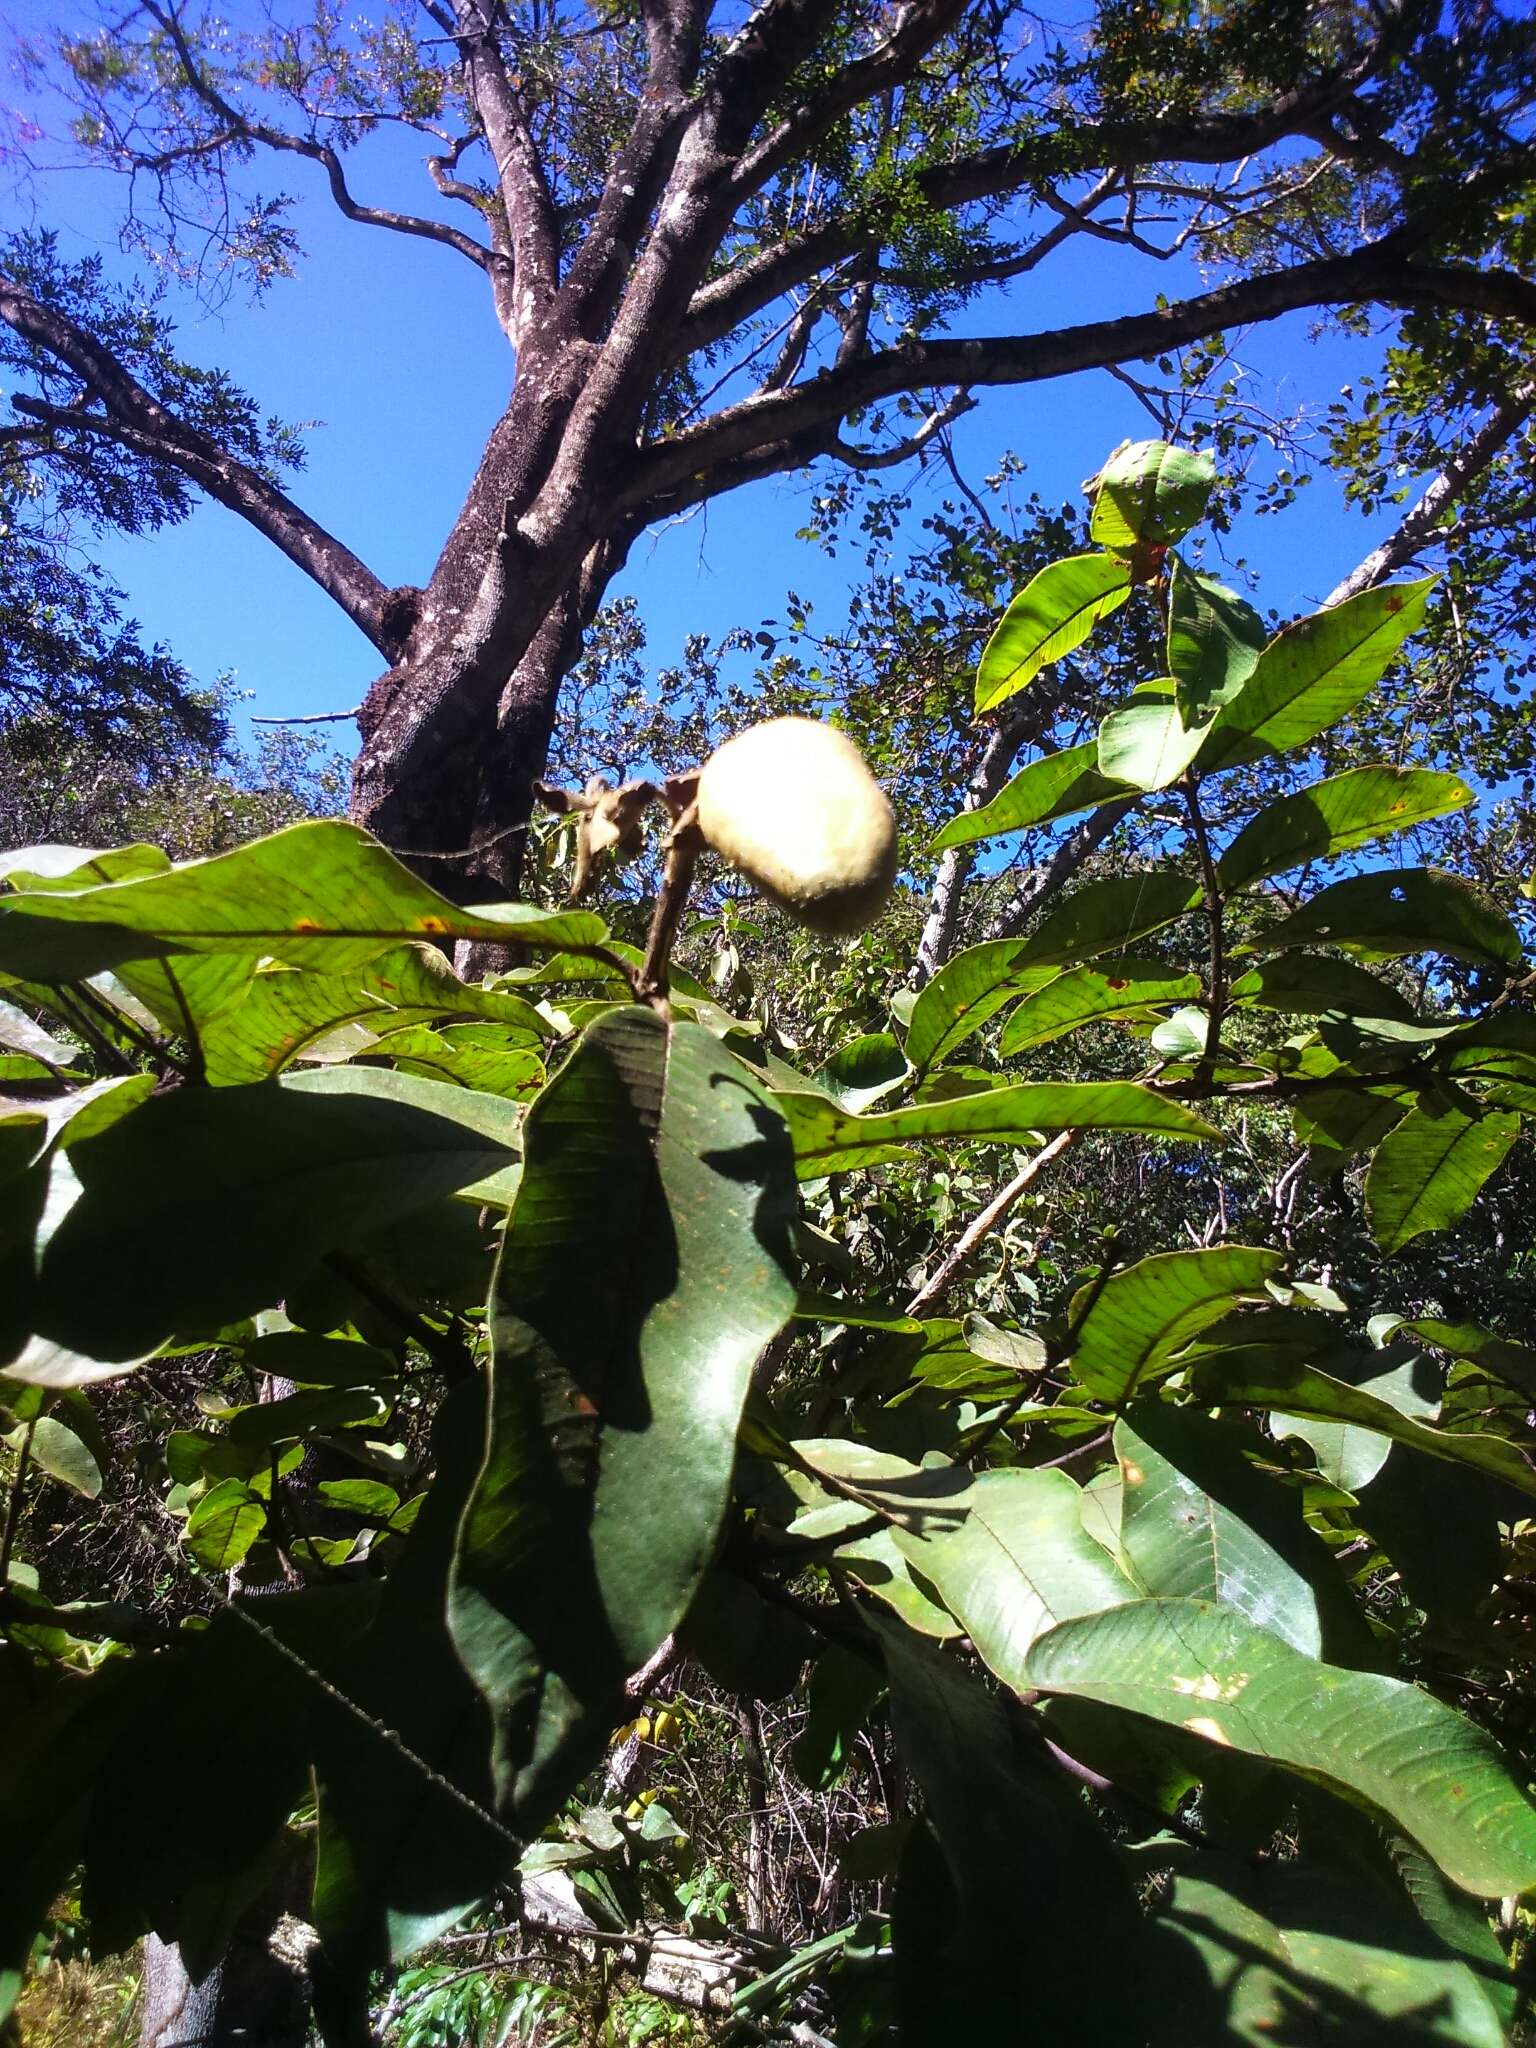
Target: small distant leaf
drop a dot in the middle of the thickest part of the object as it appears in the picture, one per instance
(1151, 494)
(1053, 787)
(1141, 1316)
(1315, 673)
(1203, 1668)
(1428, 1171)
(1214, 638)
(1114, 988)
(1052, 614)
(1394, 911)
(1347, 810)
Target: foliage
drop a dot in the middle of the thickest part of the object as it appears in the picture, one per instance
(576, 1363)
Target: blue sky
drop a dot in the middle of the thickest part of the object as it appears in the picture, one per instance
(387, 344)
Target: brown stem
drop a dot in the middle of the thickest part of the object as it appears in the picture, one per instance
(683, 850)
(987, 1218)
(1211, 886)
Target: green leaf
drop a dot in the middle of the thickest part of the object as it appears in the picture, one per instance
(647, 1262)
(1428, 1171)
(1335, 1123)
(224, 1524)
(1295, 1952)
(1315, 673)
(1136, 1321)
(1053, 787)
(1107, 915)
(205, 1204)
(1007, 1554)
(1189, 1533)
(1394, 911)
(860, 1072)
(485, 1057)
(828, 1140)
(322, 894)
(57, 1450)
(1054, 612)
(1214, 638)
(1312, 985)
(1151, 493)
(1146, 746)
(1346, 1455)
(1260, 1379)
(843, 1688)
(77, 867)
(1203, 1668)
(21, 1033)
(1515, 1364)
(284, 1013)
(1347, 810)
(965, 992)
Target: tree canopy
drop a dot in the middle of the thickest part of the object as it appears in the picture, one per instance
(723, 245)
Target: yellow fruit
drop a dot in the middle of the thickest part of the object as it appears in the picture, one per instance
(792, 805)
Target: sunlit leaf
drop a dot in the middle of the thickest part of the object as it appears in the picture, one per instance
(1054, 612)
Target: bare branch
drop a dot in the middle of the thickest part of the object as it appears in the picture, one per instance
(799, 418)
(1419, 526)
(886, 458)
(242, 128)
(136, 420)
(1037, 888)
(519, 172)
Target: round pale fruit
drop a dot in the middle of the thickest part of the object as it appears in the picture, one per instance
(792, 805)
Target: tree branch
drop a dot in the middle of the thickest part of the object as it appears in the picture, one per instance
(1037, 888)
(1418, 528)
(535, 235)
(244, 129)
(1380, 272)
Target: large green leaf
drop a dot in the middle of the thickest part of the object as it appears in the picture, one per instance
(1115, 988)
(647, 1262)
(322, 894)
(1515, 1364)
(1214, 638)
(1053, 787)
(1393, 911)
(1186, 1524)
(284, 1012)
(1107, 915)
(1347, 1455)
(1314, 673)
(1202, 1667)
(1347, 810)
(829, 1140)
(205, 1204)
(1003, 1937)
(1146, 746)
(1054, 612)
(224, 1524)
(487, 1057)
(1266, 1379)
(1008, 1555)
(1291, 1952)
(1310, 985)
(965, 992)
(1149, 494)
(1136, 1321)
(1427, 1171)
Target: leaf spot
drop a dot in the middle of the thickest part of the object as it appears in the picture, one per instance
(1213, 1731)
(431, 924)
(306, 924)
